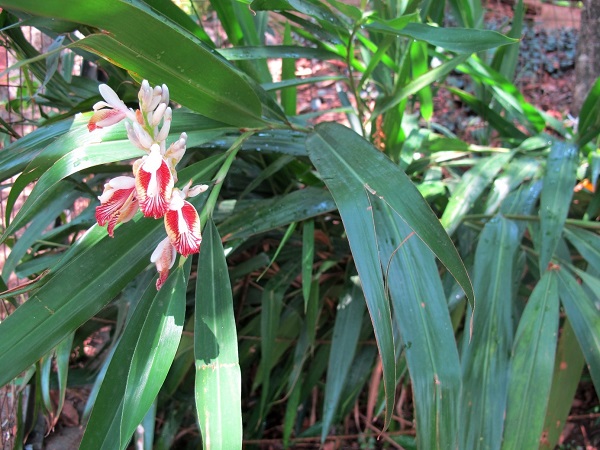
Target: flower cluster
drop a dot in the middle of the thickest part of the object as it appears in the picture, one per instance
(151, 189)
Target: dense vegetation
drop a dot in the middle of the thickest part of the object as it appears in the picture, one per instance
(463, 275)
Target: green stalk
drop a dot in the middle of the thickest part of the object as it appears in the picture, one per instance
(220, 176)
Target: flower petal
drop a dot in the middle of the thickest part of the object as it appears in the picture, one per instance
(164, 258)
(154, 184)
(118, 203)
(105, 118)
(183, 227)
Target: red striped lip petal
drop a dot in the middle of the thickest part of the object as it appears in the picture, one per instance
(154, 184)
(105, 118)
(183, 227)
(118, 203)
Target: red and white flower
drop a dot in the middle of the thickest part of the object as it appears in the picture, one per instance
(164, 258)
(110, 111)
(183, 224)
(118, 203)
(154, 183)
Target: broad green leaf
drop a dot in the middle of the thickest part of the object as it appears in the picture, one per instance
(276, 51)
(586, 243)
(172, 11)
(89, 276)
(589, 116)
(218, 377)
(472, 184)
(459, 40)
(506, 94)
(15, 157)
(513, 176)
(339, 155)
(160, 51)
(293, 82)
(276, 212)
(417, 84)
(140, 363)
(530, 377)
(485, 356)
(64, 198)
(567, 374)
(346, 330)
(582, 311)
(557, 191)
(421, 312)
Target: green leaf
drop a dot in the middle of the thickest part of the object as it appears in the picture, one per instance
(586, 243)
(557, 191)
(288, 72)
(272, 304)
(90, 275)
(582, 311)
(530, 377)
(308, 253)
(589, 116)
(503, 126)
(567, 374)
(459, 40)
(421, 313)
(346, 331)
(417, 84)
(17, 155)
(485, 356)
(218, 377)
(506, 94)
(276, 51)
(149, 47)
(339, 155)
(140, 363)
(64, 198)
(506, 58)
(472, 184)
(276, 212)
(419, 63)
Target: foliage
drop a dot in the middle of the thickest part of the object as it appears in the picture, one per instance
(303, 226)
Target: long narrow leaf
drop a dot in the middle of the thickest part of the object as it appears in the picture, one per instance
(339, 155)
(162, 52)
(421, 312)
(532, 366)
(471, 186)
(557, 192)
(346, 330)
(218, 376)
(140, 364)
(485, 358)
(585, 319)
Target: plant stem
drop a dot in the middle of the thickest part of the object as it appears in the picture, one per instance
(220, 176)
(573, 222)
(353, 86)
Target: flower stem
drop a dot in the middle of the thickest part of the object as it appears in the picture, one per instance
(220, 176)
